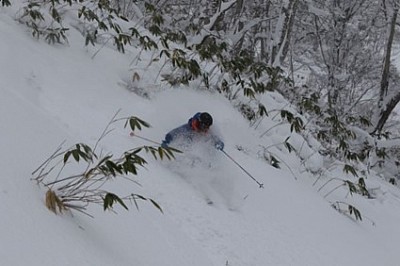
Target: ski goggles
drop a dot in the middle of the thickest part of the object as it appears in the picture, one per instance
(204, 126)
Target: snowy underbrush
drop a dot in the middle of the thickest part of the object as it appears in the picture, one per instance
(285, 139)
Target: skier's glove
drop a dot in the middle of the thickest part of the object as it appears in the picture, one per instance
(164, 144)
(219, 145)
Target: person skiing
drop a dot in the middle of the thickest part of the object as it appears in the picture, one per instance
(197, 128)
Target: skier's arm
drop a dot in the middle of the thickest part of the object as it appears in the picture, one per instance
(167, 140)
(172, 135)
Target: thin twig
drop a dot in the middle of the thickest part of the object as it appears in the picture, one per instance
(55, 154)
(330, 180)
(106, 130)
(330, 192)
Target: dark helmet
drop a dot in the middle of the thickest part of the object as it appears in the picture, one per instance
(205, 120)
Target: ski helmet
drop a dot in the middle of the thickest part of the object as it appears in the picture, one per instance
(205, 120)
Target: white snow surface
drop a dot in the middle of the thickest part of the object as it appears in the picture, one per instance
(54, 93)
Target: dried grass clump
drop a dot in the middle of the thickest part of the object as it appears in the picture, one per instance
(53, 202)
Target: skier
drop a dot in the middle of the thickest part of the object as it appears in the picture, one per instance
(199, 165)
(196, 129)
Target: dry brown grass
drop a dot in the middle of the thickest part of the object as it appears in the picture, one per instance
(53, 202)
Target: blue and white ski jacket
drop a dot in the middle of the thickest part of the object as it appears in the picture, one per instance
(186, 133)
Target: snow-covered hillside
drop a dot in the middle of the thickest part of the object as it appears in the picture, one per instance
(49, 94)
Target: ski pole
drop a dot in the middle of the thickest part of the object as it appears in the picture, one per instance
(132, 134)
(261, 185)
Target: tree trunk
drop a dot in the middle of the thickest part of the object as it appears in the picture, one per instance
(387, 102)
(385, 113)
(288, 31)
(283, 31)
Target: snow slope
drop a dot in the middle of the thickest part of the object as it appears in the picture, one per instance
(54, 93)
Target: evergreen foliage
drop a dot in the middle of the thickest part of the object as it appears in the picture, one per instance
(5, 3)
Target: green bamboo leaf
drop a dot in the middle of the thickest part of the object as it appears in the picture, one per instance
(123, 18)
(351, 186)
(113, 168)
(135, 122)
(75, 154)
(160, 153)
(132, 123)
(107, 202)
(143, 123)
(156, 205)
(289, 146)
(110, 199)
(357, 213)
(121, 202)
(5, 3)
(361, 182)
(139, 196)
(104, 159)
(350, 169)
(66, 156)
(262, 110)
(129, 167)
